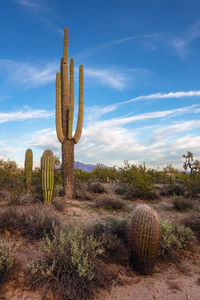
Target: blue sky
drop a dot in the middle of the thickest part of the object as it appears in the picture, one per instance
(141, 78)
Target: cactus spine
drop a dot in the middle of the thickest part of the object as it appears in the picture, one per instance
(64, 116)
(28, 166)
(47, 170)
(143, 239)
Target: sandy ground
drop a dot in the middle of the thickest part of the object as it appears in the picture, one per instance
(171, 280)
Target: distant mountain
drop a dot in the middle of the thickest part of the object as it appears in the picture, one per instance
(87, 167)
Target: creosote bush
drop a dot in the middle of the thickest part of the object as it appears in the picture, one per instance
(173, 237)
(96, 187)
(70, 266)
(6, 259)
(34, 221)
(173, 188)
(110, 203)
(193, 222)
(182, 204)
(134, 180)
(12, 180)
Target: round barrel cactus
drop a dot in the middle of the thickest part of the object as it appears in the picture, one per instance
(143, 239)
(47, 171)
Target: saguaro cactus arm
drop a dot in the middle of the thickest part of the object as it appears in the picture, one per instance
(71, 105)
(59, 130)
(79, 126)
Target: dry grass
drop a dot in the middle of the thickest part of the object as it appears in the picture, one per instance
(34, 221)
(110, 203)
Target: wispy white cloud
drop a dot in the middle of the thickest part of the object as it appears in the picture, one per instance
(147, 116)
(111, 78)
(28, 74)
(29, 4)
(112, 143)
(23, 115)
(45, 13)
(36, 74)
(171, 42)
(179, 94)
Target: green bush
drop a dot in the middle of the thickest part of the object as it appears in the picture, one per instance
(104, 174)
(6, 259)
(70, 266)
(191, 182)
(173, 188)
(12, 180)
(135, 180)
(82, 175)
(113, 235)
(182, 204)
(173, 237)
(193, 222)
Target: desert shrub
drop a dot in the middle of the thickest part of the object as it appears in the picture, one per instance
(173, 237)
(173, 188)
(115, 226)
(58, 177)
(36, 184)
(135, 180)
(34, 221)
(182, 204)
(193, 222)
(104, 174)
(113, 235)
(96, 187)
(81, 190)
(70, 266)
(110, 203)
(191, 183)
(81, 175)
(12, 180)
(59, 204)
(119, 190)
(152, 195)
(6, 259)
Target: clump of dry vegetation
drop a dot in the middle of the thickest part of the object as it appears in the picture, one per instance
(70, 266)
(34, 221)
(110, 203)
(7, 258)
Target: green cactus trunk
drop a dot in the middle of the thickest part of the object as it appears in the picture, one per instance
(28, 167)
(47, 171)
(64, 116)
(143, 239)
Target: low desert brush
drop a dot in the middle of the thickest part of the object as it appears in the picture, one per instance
(182, 204)
(34, 221)
(6, 259)
(173, 237)
(70, 266)
(110, 203)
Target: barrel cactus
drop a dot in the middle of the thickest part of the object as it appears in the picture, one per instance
(143, 239)
(47, 171)
(28, 166)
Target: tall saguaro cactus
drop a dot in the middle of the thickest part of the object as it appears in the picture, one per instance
(64, 116)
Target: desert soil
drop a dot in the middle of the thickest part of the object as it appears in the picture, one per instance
(177, 279)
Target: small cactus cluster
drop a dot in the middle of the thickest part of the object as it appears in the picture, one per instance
(47, 173)
(143, 239)
(28, 166)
